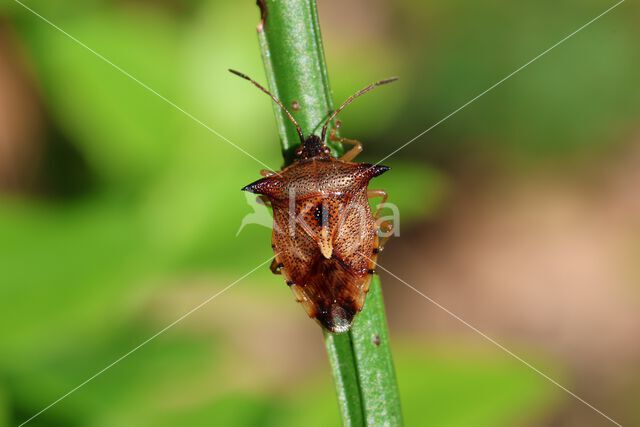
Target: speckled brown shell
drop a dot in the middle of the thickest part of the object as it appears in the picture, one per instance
(331, 213)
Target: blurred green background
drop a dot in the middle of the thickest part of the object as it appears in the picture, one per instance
(118, 213)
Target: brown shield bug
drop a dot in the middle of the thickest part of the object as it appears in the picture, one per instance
(325, 237)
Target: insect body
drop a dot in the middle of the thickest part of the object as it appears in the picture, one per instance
(325, 237)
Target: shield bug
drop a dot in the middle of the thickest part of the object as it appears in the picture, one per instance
(325, 237)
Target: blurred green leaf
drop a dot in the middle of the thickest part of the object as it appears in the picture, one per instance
(127, 133)
(4, 409)
(447, 386)
(417, 190)
(60, 266)
(233, 409)
(455, 386)
(129, 393)
(566, 102)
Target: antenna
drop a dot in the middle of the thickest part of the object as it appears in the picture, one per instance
(351, 99)
(276, 100)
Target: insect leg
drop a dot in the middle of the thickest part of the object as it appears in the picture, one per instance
(385, 226)
(276, 266)
(353, 152)
(383, 196)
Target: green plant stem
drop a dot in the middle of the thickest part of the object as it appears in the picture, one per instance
(291, 45)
